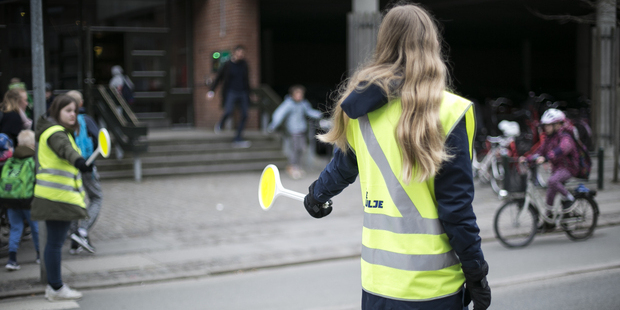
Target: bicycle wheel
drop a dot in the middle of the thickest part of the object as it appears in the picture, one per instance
(514, 228)
(580, 223)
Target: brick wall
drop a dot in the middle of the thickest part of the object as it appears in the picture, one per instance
(241, 25)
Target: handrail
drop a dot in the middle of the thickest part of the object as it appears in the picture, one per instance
(125, 106)
(269, 99)
(129, 133)
(109, 101)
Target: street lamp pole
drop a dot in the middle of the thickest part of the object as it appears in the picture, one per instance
(38, 87)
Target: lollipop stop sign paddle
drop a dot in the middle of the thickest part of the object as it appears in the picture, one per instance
(104, 146)
(270, 187)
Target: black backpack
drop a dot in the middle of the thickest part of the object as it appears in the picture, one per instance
(127, 92)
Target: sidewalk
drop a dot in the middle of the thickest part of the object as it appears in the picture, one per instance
(196, 226)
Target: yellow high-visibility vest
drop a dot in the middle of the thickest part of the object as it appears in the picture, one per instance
(405, 251)
(57, 179)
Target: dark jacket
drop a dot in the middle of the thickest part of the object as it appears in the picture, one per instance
(454, 186)
(11, 124)
(224, 76)
(44, 209)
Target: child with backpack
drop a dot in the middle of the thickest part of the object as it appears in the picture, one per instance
(561, 150)
(86, 140)
(16, 193)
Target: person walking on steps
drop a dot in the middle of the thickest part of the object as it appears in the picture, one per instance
(58, 194)
(410, 141)
(236, 89)
(86, 140)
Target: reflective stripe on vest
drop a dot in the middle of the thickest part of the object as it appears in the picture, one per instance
(57, 179)
(405, 251)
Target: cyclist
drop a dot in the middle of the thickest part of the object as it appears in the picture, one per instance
(560, 150)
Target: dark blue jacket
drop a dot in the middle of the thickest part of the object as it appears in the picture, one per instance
(454, 186)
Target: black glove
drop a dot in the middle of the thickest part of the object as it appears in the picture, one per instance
(315, 208)
(477, 288)
(81, 165)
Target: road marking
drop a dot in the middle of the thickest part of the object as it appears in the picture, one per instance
(38, 304)
(541, 276)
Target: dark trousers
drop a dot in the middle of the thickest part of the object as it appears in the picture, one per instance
(374, 302)
(233, 97)
(56, 235)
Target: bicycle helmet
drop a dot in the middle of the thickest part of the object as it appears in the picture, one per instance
(552, 116)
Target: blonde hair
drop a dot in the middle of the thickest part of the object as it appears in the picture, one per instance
(12, 98)
(26, 138)
(407, 63)
(77, 96)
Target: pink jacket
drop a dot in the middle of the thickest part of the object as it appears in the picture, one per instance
(561, 151)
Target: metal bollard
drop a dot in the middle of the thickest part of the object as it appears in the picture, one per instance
(601, 159)
(137, 167)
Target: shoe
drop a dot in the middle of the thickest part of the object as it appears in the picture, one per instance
(241, 144)
(64, 293)
(566, 204)
(217, 128)
(76, 251)
(83, 242)
(12, 266)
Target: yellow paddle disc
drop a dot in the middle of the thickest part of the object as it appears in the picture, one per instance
(270, 187)
(104, 142)
(267, 187)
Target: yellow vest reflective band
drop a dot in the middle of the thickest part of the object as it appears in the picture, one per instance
(405, 251)
(57, 179)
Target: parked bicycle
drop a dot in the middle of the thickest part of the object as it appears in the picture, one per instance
(525, 214)
(487, 166)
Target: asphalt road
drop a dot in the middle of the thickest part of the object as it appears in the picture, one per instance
(552, 273)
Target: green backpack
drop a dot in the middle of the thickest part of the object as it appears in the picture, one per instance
(17, 183)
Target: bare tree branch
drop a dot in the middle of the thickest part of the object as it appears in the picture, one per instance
(565, 18)
(589, 3)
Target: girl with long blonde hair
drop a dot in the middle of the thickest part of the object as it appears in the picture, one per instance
(407, 64)
(14, 117)
(397, 127)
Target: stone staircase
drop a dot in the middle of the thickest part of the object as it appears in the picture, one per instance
(194, 151)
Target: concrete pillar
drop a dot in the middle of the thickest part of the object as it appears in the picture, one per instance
(606, 31)
(363, 25)
(360, 6)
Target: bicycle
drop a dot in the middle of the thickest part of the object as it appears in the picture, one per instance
(489, 168)
(518, 220)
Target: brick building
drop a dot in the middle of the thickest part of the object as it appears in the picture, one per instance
(167, 47)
